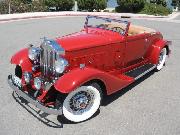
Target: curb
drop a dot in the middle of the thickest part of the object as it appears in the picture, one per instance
(34, 15)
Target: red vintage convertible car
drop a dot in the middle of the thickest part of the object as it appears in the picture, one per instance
(70, 75)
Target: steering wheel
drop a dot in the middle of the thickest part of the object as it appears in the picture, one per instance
(101, 26)
(119, 29)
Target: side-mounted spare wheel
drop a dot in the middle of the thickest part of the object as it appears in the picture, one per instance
(162, 59)
(82, 103)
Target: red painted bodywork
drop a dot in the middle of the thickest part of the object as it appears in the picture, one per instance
(106, 55)
(87, 38)
(21, 58)
(70, 81)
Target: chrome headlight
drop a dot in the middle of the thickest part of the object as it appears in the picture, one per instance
(37, 83)
(60, 65)
(33, 53)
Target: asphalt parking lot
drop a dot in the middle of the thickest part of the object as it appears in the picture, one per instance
(151, 106)
(178, 17)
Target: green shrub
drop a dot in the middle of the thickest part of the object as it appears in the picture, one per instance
(3, 7)
(21, 6)
(38, 6)
(176, 3)
(154, 9)
(113, 11)
(61, 5)
(130, 6)
(106, 10)
(90, 5)
(159, 2)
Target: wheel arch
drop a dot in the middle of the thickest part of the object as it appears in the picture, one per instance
(77, 77)
(168, 49)
(100, 83)
(156, 48)
(21, 58)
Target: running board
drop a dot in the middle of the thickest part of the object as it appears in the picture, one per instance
(140, 71)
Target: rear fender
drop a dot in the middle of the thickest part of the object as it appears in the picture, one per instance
(156, 49)
(77, 77)
(21, 58)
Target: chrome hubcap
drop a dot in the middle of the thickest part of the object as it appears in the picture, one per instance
(81, 102)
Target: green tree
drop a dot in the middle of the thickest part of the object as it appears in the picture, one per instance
(19, 6)
(61, 5)
(132, 6)
(38, 6)
(155, 9)
(90, 5)
(3, 7)
(159, 2)
(176, 3)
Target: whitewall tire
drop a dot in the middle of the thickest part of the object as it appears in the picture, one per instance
(162, 59)
(81, 103)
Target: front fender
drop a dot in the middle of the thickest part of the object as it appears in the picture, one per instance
(21, 58)
(156, 49)
(77, 77)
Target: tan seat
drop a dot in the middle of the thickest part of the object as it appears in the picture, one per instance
(133, 29)
(116, 25)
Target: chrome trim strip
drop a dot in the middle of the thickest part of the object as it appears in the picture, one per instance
(33, 101)
(147, 71)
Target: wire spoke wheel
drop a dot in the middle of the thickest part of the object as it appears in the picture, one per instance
(81, 104)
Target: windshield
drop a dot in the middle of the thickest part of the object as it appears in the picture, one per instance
(107, 24)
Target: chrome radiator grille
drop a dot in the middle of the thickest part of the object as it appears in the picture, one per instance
(50, 50)
(47, 61)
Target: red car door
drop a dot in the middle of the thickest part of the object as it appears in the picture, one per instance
(134, 49)
(118, 54)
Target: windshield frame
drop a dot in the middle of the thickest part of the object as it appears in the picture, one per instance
(108, 20)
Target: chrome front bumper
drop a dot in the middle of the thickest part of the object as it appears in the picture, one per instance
(31, 100)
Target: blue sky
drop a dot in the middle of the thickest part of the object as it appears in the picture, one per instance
(112, 3)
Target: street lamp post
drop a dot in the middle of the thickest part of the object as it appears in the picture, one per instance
(9, 6)
(75, 6)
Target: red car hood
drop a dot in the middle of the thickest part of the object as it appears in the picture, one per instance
(84, 39)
